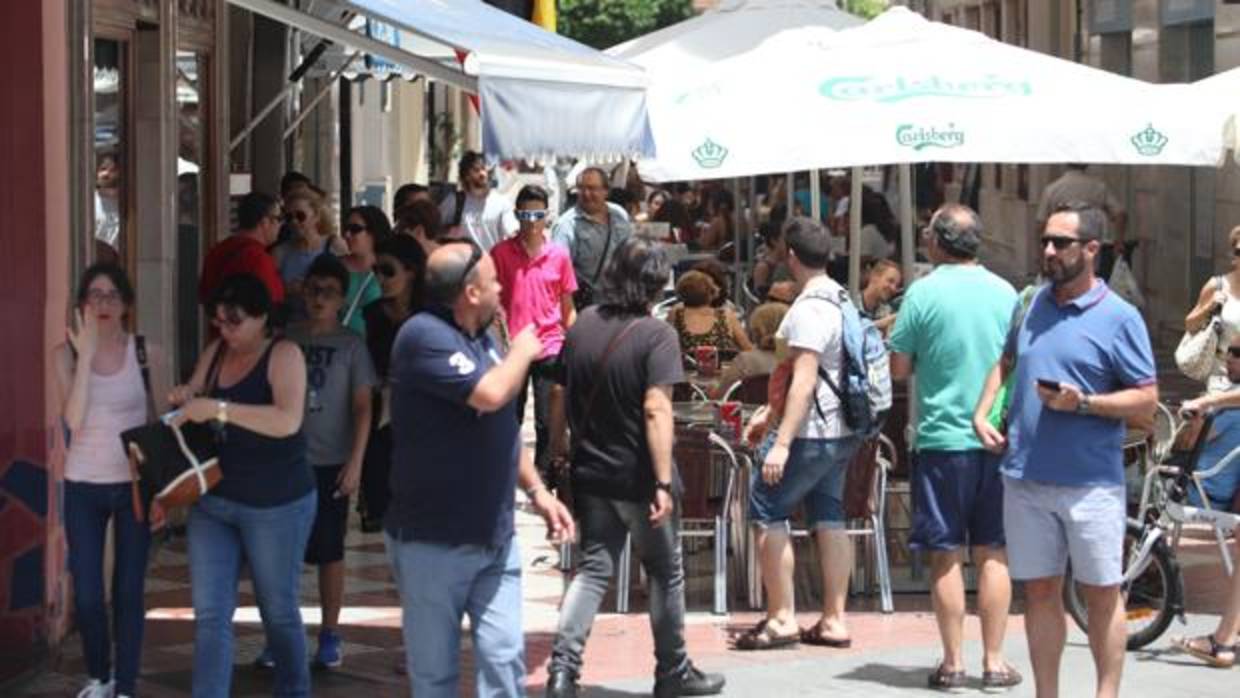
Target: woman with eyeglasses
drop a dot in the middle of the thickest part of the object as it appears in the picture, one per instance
(1220, 296)
(311, 218)
(99, 373)
(364, 229)
(400, 267)
(252, 386)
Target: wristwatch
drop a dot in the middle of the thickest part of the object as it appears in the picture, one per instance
(221, 414)
(665, 486)
(1082, 406)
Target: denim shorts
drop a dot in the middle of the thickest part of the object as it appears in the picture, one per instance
(957, 500)
(814, 475)
(1048, 525)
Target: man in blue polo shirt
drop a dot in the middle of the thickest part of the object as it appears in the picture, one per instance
(456, 461)
(1083, 365)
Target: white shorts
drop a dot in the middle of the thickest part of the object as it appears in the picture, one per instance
(1047, 525)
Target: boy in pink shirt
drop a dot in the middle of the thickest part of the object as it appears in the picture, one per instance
(537, 288)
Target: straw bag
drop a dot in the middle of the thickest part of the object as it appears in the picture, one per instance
(1198, 351)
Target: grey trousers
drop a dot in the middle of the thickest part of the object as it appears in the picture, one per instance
(604, 524)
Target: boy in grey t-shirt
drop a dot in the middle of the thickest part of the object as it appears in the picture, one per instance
(339, 380)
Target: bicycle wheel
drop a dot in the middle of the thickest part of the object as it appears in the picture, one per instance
(1151, 600)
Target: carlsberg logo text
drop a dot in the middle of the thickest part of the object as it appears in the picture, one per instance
(922, 137)
(900, 88)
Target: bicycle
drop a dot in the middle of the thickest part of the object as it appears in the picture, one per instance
(1153, 583)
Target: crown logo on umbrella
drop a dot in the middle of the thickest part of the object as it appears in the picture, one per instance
(1149, 141)
(709, 154)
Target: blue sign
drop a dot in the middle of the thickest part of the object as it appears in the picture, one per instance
(381, 67)
(1175, 12)
(1110, 17)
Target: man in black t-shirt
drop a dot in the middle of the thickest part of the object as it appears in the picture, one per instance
(619, 367)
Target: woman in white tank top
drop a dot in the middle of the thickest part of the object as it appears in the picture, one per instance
(102, 394)
(1220, 294)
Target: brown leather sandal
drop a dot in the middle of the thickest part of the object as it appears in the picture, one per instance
(760, 637)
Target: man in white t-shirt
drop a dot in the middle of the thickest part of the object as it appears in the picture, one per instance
(476, 209)
(809, 449)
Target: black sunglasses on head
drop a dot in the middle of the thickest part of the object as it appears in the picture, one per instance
(475, 255)
(1060, 242)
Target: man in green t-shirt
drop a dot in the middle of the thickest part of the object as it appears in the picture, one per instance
(950, 331)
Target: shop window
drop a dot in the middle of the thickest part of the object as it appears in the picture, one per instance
(191, 180)
(110, 214)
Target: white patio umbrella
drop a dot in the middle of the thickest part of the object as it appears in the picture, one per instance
(1225, 87)
(674, 58)
(905, 89)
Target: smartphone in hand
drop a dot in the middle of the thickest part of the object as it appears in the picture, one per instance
(1050, 385)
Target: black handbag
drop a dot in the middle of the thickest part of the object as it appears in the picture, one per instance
(173, 465)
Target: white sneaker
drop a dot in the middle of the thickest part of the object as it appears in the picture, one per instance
(97, 689)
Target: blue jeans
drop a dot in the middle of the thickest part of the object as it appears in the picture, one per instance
(88, 508)
(272, 540)
(438, 584)
(813, 475)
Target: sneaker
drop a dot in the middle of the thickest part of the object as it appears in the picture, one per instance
(97, 689)
(265, 660)
(330, 653)
(561, 684)
(689, 682)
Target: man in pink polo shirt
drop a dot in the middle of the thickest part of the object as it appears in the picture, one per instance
(537, 288)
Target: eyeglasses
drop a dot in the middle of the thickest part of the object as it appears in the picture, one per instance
(97, 297)
(230, 318)
(385, 270)
(1233, 352)
(1060, 242)
(354, 229)
(299, 216)
(325, 291)
(531, 215)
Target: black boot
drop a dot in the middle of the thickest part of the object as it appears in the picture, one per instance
(690, 682)
(561, 683)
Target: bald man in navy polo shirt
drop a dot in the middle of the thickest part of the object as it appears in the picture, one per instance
(456, 461)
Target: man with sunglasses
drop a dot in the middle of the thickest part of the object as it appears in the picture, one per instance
(591, 231)
(477, 209)
(456, 461)
(1078, 185)
(1083, 365)
(538, 283)
(245, 252)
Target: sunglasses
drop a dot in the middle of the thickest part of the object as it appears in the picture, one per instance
(1233, 352)
(1060, 242)
(532, 215)
(354, 229)
(299, 216)
(475, 255)
(230, 318)
(321, 291)
(385, 270)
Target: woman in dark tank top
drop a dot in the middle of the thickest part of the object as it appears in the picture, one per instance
(252, 387)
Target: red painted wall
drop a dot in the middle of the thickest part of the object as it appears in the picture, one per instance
(29, 34)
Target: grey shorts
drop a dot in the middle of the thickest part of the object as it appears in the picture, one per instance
(1046, 525)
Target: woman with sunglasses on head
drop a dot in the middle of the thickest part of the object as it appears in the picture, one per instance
(1220, 296)
(252, 387)
(99, 372)
(311, 218)
(364, 229)
(400, 267)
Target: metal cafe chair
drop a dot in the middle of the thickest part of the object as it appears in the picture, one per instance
(708, 466)
(750, 390)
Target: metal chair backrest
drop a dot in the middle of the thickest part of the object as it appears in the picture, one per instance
(688, 392)
(707, 466)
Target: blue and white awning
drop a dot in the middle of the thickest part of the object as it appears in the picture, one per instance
(540, 94)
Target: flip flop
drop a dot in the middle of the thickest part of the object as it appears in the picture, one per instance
(760, 638)
(1207, 649)
(813, 636)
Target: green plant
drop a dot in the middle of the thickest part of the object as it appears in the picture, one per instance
(605, 23)
(445, 145)
(869, 9)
